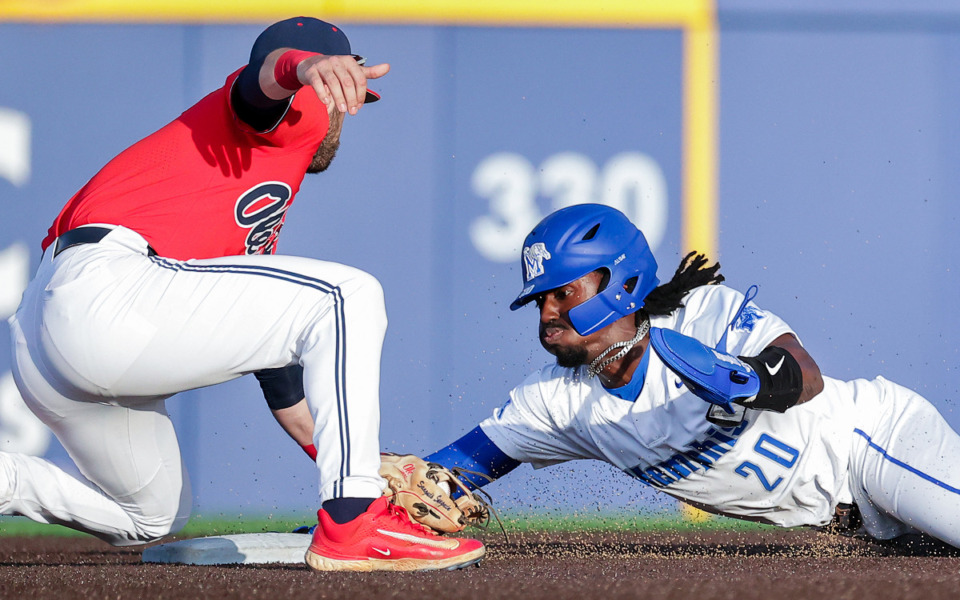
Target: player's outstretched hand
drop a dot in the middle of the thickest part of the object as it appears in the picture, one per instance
(340, 80)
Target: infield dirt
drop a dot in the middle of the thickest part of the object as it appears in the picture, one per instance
(734, 565)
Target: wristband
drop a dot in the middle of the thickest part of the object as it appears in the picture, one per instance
(285, 71)
(781, 380)
(311, 451)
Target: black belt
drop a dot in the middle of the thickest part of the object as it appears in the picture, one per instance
(85, 235)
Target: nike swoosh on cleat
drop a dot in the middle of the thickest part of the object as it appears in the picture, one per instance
(446, 544)
(775, 368)
(383, 552)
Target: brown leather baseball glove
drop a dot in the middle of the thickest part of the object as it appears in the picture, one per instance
(425, 490)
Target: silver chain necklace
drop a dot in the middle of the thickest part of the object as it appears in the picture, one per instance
(596, 366)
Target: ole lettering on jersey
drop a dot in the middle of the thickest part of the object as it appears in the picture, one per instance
(204, 185)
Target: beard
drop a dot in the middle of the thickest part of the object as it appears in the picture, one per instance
(329, 146)
(324, 155)
(568, 357)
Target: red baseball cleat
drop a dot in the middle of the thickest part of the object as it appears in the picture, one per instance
(384, 539)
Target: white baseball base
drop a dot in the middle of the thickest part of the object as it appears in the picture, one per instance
(243, 548)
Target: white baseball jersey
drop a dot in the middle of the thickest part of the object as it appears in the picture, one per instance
(786, 469)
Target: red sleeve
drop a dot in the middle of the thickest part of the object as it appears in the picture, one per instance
(181, 187)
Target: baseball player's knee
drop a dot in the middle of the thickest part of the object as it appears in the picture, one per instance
(366, 289)
(366, 284)
(152, 527)
(161, 516)
(358, 298)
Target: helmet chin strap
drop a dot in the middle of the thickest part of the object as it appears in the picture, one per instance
(596, 366)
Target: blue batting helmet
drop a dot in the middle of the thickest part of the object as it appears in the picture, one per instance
(580, 239)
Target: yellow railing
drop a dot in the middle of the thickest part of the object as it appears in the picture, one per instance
(606, 13)
(696, 18)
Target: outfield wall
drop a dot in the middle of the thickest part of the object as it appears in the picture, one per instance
(810, 147)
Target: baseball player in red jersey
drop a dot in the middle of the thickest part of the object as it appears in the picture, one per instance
(148, 287)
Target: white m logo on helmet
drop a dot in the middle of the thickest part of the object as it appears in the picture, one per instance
(533, 257)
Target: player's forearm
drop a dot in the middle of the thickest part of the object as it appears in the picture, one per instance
(283, 390)
(252, 105)
(297, 421)
(475, 452)
(262, 91)
(278, 76)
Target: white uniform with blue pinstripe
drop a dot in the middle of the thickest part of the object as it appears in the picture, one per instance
(875, 443)
(106, 333)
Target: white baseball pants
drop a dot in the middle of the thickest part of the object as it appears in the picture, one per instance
(904, 472)
(105, 334)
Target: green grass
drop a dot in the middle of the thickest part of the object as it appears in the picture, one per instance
(19, 526)
(201, 526)
(620, 522)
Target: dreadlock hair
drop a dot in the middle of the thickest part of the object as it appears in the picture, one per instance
(691, 273)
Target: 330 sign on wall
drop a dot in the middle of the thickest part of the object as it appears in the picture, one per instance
(631, 182)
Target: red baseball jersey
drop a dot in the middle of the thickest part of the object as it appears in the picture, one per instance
(205, 185)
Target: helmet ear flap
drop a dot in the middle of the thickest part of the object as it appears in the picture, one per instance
(612, 303)
(593, 314)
